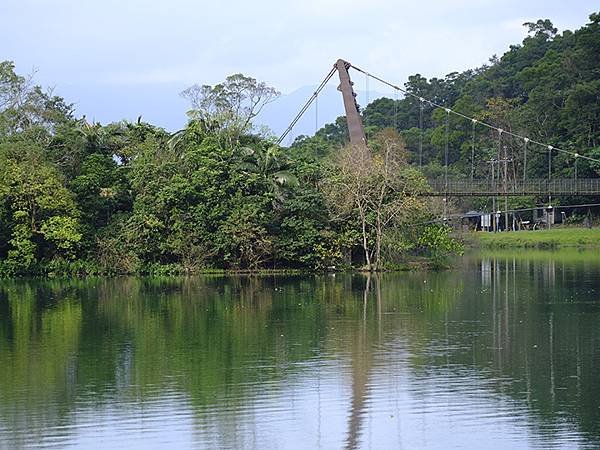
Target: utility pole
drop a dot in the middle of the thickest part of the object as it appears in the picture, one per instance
(500, 131)
(549, 209)
(355, 127)
(506, 161)
(493, 189)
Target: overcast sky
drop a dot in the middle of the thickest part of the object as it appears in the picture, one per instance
(112, 57)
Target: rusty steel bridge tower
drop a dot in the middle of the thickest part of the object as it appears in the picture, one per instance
(355, 126)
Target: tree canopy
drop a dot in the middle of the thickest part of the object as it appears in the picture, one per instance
(81, 197)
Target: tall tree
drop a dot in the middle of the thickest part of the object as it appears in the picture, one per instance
(229, 107)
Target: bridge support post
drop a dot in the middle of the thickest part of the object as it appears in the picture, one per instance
(355, 128)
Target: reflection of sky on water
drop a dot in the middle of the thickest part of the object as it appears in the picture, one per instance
(311, 410)
(500, 354)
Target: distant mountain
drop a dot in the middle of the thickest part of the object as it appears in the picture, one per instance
(162, 105)
(278, 115)
(158, 104)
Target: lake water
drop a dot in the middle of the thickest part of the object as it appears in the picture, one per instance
(502, 352)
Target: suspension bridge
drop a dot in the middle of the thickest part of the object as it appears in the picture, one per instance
(531, 187)
(498, 183)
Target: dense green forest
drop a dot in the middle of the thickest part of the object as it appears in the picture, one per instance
(547, 88)
(80, 197)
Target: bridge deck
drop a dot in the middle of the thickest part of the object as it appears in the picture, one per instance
(479, 188)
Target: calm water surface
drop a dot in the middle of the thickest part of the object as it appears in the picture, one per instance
(503, 352)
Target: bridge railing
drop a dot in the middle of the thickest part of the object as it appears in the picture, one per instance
(559, 186)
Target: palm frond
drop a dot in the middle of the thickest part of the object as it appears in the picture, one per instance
(285, 178)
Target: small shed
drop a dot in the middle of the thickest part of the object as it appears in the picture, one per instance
(472, 220)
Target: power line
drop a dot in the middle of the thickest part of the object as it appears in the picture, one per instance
(420, 132)
(550, 148)
(586, 205)
(306, 106)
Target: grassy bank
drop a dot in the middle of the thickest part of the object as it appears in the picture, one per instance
(554, 238)
(566, 255)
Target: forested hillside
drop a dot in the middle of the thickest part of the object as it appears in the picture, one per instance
(547, 88)
(86, 198)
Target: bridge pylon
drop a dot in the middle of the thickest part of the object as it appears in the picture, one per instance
(355, 126)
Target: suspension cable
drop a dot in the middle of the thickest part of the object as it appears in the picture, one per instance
(500, 131)
(549, 173)
(367, 90)
(396, 110)
(464, 116)
(446, 164)
(526, 140)
(420, 133)
(306, 106)
(474, 122)
(316, 113)
(446, 149)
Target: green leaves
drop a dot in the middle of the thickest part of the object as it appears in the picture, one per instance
(285, 178)
(63, 232)
(269, 163)
(25, 107)
(21, 257)
(436, 241)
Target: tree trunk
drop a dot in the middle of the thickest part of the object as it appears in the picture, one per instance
(378, 234)
(363, 220)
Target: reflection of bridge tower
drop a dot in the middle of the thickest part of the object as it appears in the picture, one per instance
(362, 362)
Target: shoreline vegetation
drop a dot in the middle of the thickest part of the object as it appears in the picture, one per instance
(556, 238)
(222, 196)
(572, 242)
(84, 270)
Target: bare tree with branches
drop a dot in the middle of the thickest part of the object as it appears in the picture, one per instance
(374, 183)
(229, 107)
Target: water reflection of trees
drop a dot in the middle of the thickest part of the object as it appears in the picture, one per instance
(538, 330)
(38, 345)
(215, 339)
